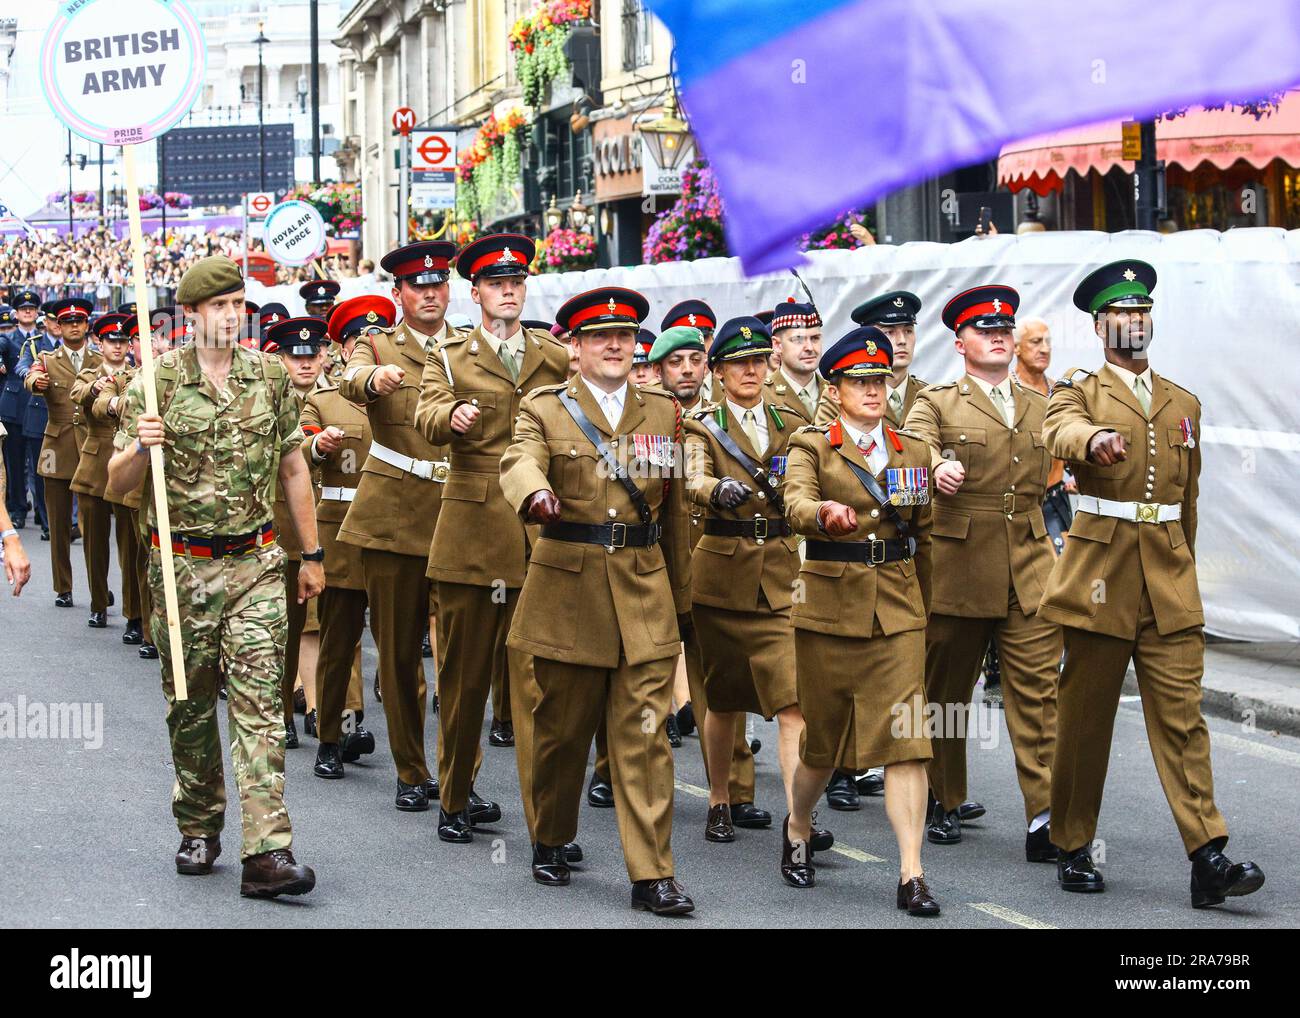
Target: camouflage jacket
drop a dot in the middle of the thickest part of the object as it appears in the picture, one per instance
(222, 450)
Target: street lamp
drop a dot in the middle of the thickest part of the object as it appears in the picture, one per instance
(554, 217)
(578, 213)
(666, 135)
(259, 42)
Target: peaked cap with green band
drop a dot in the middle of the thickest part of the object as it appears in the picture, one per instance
(1124, 284)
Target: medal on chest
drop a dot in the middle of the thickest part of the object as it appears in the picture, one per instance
(908, 485)
(656, 450)
(776, 470)
(1189, 438)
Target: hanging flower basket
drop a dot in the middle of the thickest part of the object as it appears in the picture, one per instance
(537, 41)
(338, 204)
(489, 167)
(692, 226)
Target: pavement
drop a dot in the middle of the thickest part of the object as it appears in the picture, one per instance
(86, 831)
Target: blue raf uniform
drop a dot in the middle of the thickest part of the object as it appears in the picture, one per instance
(35, 418)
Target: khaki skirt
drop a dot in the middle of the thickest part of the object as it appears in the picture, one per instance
(748, 659)
(861, 698)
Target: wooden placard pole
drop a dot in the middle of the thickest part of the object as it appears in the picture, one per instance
(157, 482)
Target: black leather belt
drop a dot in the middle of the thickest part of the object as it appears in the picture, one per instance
(873, 553)
(756, 529)
(611, 535)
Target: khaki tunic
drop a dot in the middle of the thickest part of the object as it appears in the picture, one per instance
(338, 473)
(67, 426)
(96, 446)
(777, 389)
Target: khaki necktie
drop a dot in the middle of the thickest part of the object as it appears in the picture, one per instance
(508, 359)
(809, 400)
(896, 404)
(76, 360)
(1143, 397)
(750, 427)
(1000, 402)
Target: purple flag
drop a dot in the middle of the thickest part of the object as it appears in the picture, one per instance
(807, 109)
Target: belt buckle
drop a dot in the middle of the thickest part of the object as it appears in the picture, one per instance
(1009, 502)
(760, 528)
(1148, 512)
(422, 469)
(218, 545)
(617, 536)
(874, 561)
(441, 471)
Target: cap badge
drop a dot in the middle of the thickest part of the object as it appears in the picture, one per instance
(275, 317)
(871, 348)
(691, 318)
(304, 333)
(612, 305)
(371, 317)
(321, 290)
(507, 257)
(997, 306)
(1130, 275)
(428, 261)
(746, 331)
(898, 302)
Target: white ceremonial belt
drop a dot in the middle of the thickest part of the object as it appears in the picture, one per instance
(1134, 512)
(427, 470)
(331, 494)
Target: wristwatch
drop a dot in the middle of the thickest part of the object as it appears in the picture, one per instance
(314, 556)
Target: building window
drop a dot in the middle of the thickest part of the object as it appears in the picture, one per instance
(636, 35)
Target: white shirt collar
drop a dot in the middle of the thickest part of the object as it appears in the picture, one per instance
(876, 434)
(610, 402)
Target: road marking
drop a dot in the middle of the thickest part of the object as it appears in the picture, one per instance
(1010, 915)
(1224, 740)
(856, 854)
(689, 789)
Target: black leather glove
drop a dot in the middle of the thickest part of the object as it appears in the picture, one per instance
(729, 493)
(685, 625)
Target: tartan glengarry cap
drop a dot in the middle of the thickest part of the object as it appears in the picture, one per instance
(209, 277)
(790, 314)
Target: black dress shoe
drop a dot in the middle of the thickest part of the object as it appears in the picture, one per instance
(664, 896)
(148, 651)
(134, 635)
(300, 701)
(481, 811)
(502, 733)
(600, 793)
(746, 814)
(797, 869)
(196, 855)
(870, 783)
(98, 620)
(411, 798)
(111, 599)
(969, 810)
(915, 897)
(820, 838)
(430, 787)
(686, 719)
(455, 827)
(670, 726)
(944, 827)
(290, 735)
(45, 533)
(63, 600)
(842, 793)
(329, 761)
(75, 533)
(717, 826)
(1215, 877)
(357, 743)
(1039, 847)
(1075, 872)
(434, 710)
(379, 698)
(572, 853)
(426, 645)
(550, 865)
(309, 726)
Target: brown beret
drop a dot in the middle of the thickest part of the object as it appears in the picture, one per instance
(207, 278)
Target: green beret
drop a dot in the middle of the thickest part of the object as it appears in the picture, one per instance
(679, 337)
(207, 278)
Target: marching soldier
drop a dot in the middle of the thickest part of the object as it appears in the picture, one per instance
(17, 328)
(340, 444)
(894, 314)
(796, 331)
(91, 477)
(37, 416)
(681, 364)
(594, 461)
(229, 422)
(694, 314)
(743, 569)
(1132, 439)
(299, 342)
(992, 557)
(319, 296)
(392, 517)
(470, 395)
(860, 491)
(51, 375)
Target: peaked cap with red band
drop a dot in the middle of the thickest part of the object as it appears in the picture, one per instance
(862, 353)
(608, 307)
(112, 326)
(71, 307)
(360, 314)
(985, 307)
(428, 261)
(694, 313)
(499, 254)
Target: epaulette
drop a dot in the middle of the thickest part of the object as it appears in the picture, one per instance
(907, 434)
(701, 412)
(941, 386)
(556, 388)
(808, 429)
(327, 387)
(920, 381)
(1068, 379)
(1181, 389)
(657, 390)
(450, 340)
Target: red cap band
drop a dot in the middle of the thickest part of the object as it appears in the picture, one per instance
(701, 322)
(600, 310)
(980, 310)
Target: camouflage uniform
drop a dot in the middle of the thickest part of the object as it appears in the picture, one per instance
(221, 455)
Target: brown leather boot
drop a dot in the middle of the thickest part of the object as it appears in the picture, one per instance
(196, 855)
(276, 872)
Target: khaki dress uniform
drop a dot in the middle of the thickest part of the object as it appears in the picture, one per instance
(601, 622)
(342, 608)
(97, 514)
(480, 548)
(781, 390)
(132, 550)
(392, 519)
(859, 628)
(1125, 590)
(743, 569)
(65, 430)
(992, 559)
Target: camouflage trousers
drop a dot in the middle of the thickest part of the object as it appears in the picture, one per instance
(233, 622)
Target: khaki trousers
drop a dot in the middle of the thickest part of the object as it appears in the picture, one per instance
(128, 557)
(96, 540)
(58, 509)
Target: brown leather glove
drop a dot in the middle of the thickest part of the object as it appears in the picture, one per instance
(837, 519)
(543, 507)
